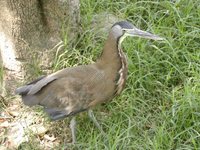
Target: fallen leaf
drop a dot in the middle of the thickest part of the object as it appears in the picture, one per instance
(38, 129)
(16, 134)
(4, 115)
(2, 133)
(14, 107)
(3, 147)
(49, 138)
(5, 124)
(13, 113)
(2, 120)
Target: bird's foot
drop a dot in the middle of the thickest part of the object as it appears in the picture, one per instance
(92, 117)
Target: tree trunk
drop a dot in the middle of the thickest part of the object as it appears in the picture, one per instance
(29, 29)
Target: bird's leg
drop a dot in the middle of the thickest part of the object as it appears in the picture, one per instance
(92, 117)
(73, 129)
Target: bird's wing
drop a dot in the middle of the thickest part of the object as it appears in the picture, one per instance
(70, 95)
(34, 86)
(64, 93)
(63, 97)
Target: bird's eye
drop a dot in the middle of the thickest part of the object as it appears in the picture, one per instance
(124, 30)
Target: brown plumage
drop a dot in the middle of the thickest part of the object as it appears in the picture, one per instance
(76, 89)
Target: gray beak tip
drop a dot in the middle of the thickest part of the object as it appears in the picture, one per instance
(159, 38)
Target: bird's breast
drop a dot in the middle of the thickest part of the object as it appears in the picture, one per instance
(122, 73)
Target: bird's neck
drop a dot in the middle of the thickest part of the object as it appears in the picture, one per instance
(113, 62)
(110, 54)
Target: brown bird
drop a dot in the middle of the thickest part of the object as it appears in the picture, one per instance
(76, 89)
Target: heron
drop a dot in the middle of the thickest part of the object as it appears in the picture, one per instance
(72, 90)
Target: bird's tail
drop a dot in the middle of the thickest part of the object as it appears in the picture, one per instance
(27, 98)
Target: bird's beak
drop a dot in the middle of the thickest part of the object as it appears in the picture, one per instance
(143, 34)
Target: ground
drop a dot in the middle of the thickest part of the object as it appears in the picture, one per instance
(160, 106)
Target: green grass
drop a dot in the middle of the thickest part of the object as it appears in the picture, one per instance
(160, 106)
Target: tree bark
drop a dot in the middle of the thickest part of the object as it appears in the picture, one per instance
(29, 29)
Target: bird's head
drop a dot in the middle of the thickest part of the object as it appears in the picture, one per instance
(123, 29)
